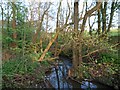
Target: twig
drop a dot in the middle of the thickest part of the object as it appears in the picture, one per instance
(99, 50)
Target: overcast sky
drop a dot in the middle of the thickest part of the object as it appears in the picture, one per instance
(64, 5)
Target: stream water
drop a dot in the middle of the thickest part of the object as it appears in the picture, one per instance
(57, 78)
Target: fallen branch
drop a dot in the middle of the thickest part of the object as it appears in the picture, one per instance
(48, 47)
(92, 52)
(99, 50)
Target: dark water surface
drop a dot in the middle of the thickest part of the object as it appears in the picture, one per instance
(58, 75)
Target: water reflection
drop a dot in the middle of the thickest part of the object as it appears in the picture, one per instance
(87, 85)
(58, 78)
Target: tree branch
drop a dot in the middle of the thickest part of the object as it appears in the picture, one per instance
(40, 25)
(99, 50)
(55, 37)
(88, 13)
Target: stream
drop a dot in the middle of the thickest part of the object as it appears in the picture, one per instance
(57, 78)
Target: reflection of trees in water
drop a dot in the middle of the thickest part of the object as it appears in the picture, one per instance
(57, 76)
(58, 80)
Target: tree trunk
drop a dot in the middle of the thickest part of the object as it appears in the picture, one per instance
(14, 24)
(31, 18)
(99, 21)
(48, 47)
(119, 18)
(75, 49)
(8, 22)
(90, 27)
(2, 18)
(57, 26)
(77, 46)
(104, 17)
(111, 16)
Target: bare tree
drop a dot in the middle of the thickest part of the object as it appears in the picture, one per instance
(88, 13)
(40, 24)
(89, 21)
(57, 26)
(113, 7)
(55, 37)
